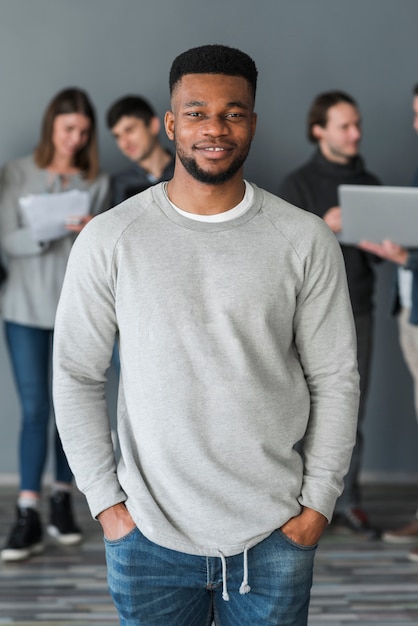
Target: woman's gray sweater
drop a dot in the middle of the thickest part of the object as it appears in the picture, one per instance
(36, 271)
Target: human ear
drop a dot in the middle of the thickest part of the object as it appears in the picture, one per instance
(169, 124)
(317, 131)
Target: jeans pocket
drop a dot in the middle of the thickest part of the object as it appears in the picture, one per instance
(295, 544)
(121, 540)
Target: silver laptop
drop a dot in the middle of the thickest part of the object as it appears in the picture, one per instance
(375, 213)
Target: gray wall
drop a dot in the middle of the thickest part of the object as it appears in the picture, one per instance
(367, 47)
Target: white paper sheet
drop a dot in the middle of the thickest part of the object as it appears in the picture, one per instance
(46, 214)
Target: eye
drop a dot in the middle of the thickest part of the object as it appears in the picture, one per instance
(236, 116)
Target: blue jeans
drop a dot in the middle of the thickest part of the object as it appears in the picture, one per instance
(30, 354)
(154, 586)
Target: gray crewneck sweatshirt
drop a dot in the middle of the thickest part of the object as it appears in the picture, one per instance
(236, 342)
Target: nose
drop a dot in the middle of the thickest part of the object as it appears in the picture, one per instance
(215, 126)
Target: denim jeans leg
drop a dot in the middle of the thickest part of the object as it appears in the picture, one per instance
(30, 350)
(280, 576)
(153, 586)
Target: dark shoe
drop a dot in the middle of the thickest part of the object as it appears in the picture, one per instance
(61, 522)
(354, 522)
(25, 537)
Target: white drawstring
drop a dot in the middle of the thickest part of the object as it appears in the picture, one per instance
(225, 594)
(245, 587)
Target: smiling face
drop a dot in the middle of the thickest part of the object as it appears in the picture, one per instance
(70, 133)
(212, 123)
(339, 140)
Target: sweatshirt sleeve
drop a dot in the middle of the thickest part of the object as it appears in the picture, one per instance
(84, 338)
(326, 344)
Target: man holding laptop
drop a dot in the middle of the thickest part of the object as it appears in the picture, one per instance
(334, 124)
(405, 304)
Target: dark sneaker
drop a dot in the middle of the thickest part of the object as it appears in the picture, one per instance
(61, 522)
(354, 522)
(25, 538)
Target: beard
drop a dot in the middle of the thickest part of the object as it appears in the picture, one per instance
(203, 176)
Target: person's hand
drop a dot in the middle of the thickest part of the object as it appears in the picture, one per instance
(305, 528)
(116, 521)
(76, 224)
(387, 250)
(333, 219)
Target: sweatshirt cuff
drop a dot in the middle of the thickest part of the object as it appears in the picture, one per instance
(103, 495)
(319, 497)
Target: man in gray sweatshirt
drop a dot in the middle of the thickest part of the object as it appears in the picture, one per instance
(236, 344)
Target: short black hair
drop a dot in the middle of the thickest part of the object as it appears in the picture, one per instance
(130, 106)
(415, 90)
(214, 59)
(318, 112)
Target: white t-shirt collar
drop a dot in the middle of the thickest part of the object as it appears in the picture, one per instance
(226, 216)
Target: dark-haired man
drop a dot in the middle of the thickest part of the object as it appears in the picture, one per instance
(232, 310)
(136, 127)
(334, 125)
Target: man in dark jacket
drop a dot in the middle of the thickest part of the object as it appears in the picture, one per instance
(334, 124)
(135, 127)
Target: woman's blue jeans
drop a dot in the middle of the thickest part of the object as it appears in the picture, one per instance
(30, 354)
(154, 586)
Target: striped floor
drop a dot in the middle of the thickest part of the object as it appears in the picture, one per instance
(355, 582)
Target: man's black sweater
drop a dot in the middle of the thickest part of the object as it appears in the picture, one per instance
(314, 187)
